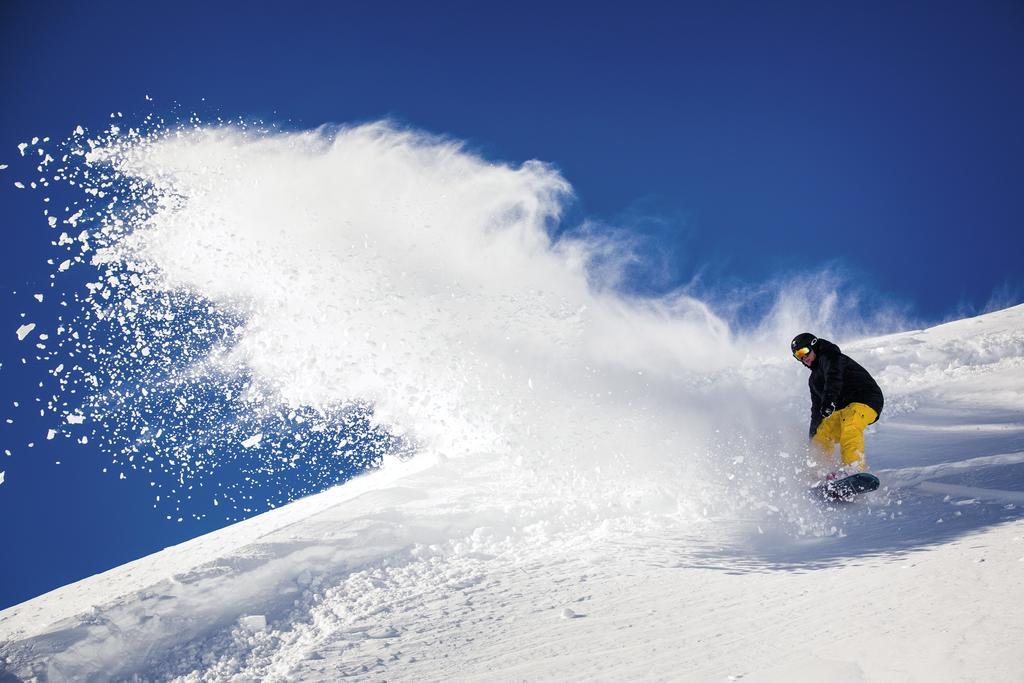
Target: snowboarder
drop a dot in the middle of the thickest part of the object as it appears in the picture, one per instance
(845, 399)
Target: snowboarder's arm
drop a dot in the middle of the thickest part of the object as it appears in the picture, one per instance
(815, 413)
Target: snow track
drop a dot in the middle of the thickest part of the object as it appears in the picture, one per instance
(972, 492)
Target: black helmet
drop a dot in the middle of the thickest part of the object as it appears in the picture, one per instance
(803, 340)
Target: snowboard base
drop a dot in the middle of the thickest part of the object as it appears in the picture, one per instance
(844, 490)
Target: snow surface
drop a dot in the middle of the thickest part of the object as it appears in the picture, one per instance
(476, 568)
(576, 483)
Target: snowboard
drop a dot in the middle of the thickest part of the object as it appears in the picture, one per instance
(843, 490)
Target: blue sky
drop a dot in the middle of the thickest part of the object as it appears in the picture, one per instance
(747, 142)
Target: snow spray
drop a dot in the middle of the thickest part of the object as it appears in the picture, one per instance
(354, 292)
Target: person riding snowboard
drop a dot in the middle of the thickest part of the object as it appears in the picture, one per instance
(845, 399)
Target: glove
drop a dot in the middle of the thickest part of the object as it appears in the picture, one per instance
(828, 409)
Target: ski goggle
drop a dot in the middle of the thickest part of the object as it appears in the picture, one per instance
(801, 352)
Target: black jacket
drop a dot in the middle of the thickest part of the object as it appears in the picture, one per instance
(837, 378)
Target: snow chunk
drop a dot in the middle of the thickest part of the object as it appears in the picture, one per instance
(254, 622)
(38, 297)
(76, 419)
(50, 434)
(22, 147)
(2, 476)
(253, 441)
(25, 330)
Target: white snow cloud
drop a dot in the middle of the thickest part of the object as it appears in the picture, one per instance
(391, 266)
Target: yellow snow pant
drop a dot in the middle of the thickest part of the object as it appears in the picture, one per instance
(846, 427)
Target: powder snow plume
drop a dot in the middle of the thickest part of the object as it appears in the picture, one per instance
(309, 303)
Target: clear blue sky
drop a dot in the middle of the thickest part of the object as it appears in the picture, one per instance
(748, 140)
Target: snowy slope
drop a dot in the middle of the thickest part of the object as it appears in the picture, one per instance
(483, 568)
